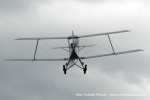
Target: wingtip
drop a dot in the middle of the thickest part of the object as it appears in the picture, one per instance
(141, 50)
(137, 50)
(17, 39)
(128, 30)
(7, 60)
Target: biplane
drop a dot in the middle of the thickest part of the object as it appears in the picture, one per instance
(73, 48)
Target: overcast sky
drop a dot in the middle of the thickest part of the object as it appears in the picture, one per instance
(124, 74)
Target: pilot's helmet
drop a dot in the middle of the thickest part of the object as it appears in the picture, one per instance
(71, 44)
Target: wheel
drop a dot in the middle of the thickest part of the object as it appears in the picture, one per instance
(64, 69)
(85, 69)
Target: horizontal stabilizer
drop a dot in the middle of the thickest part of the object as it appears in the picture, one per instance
(77, 46)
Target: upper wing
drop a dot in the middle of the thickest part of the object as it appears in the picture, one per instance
(110, 54)
(107, 33)
(46, 38)
(60, 59)
(42, 38)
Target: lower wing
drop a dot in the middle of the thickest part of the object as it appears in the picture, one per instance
(59, 59)
(88, 57)
(110, 54)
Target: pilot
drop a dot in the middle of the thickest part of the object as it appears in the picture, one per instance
(71, 44)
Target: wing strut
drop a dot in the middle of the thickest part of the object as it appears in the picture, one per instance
(111, 44)
(36, 49)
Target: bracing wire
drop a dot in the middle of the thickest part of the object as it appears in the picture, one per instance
(94, 46)
(50, 48)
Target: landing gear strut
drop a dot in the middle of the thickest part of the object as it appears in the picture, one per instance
(83, 66)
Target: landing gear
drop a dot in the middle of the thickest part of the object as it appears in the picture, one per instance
(64, 69)
(67, 66)
(85, 69)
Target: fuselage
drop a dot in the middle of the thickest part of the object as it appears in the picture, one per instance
(73, 43)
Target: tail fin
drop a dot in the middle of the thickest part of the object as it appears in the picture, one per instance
(72, 34)
(72, 37)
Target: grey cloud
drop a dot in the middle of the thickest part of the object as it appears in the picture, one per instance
(103, 1)
(45, 80)
(32, 81)
(131, 67)
(11, 6)
(17, 6)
